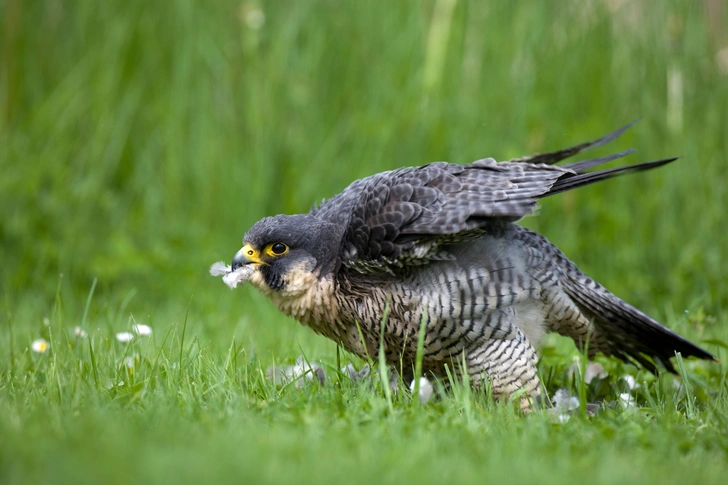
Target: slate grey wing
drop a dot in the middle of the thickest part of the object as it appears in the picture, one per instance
(405, 216)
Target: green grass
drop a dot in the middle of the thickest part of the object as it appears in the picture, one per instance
(139, 140)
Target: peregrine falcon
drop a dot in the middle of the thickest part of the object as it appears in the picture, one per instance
(436, 247)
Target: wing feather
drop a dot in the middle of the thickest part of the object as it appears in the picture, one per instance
(403, 217)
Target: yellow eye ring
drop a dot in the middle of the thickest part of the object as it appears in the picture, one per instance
(276, 249)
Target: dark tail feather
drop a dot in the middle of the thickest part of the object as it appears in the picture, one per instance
(555, 157)
(572, 181)
(584, 165)
(626, 332)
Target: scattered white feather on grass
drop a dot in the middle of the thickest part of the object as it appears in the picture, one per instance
(626, 400)
(630, 381)
(301, 372)
(356, 376)
(564, 403)
(593, 371)
(425, 391)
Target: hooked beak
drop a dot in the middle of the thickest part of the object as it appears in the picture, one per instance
(246, 255)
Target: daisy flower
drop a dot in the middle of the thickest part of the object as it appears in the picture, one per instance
(124, 337)
(131, 360)
(40, 346)
(141, 329)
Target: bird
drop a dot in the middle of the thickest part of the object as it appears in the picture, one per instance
(434, 252)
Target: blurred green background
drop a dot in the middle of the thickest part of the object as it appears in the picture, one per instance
(140, 139)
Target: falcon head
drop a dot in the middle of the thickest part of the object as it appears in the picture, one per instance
(288, 253)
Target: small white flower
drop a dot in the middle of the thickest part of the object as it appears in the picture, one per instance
(40, 346)
(46, 321)
(141, 329)
(78, 332)
(626, 400)
(425, 391)
(124, 337)
(131, 360)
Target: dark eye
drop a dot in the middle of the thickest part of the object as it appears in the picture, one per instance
(278, 248)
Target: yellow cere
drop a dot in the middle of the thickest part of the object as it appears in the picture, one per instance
(252, 254)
